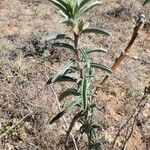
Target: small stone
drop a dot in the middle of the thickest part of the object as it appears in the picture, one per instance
(135, 57)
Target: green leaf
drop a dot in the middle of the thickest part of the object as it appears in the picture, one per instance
(88, 7)
(68, 22)
(71, 70)
(96, 30)
(64, 45)
(101, 66)
(145, 2)
(84, 92)
(70, 106)
(70, 8)
(76, 9)
(60, 6)
(59, 37)
(85, 58)
(62, 79)
(59, 115)
(96, 126)
(83, 2)
(69, 92)
(93, 50)
(62, 72)
(63, 3)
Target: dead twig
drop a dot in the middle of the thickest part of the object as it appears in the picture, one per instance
(59, 107)
(71, 126)
(123, 54)
(128, 126)
(64, 119)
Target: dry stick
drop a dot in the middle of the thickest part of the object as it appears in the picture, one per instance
(140, 106)
(124, 53)
(64, 119)
(71, 126)
(59, 107)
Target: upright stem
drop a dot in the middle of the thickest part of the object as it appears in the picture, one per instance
(76, 42)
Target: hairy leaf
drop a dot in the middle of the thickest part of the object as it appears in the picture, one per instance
(93, 50)
(84, 92)
(85, 58)
(68, 22)
(64, 45)
(60, 6)
(71, 70)
(96, 126)
(146, 1)
(76, 9)
(70, 106)
(62, 79)
(83, 2)
(59, 37)
(69, 92)
(62, 72)
(88, 7)
(96, 30)
(71, 6)
(67, 7)
(59, 115)
(101, 66)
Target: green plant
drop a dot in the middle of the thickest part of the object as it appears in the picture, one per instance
(145, 2)
(71, 12)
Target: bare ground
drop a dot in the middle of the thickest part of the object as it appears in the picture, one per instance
(26, 63)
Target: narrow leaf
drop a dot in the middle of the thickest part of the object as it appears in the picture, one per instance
(70, 8)
(83, 2)
(96, 126)
(63, 3)
(69, 92)
(59, 37)
(76, 9)
(84, 92)
(59, 115)
(70, 106)
(85, 58)
(96, 30)
(71, 70)
(145, 2)
(101, 66)
(62, 72)
(64, 45)
(68, 22)
(60, 6)
(88, 7)
(62, 79)
(93, 50)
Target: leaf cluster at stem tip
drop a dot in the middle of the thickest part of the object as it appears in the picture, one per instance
(71, 11)
(79, 68)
